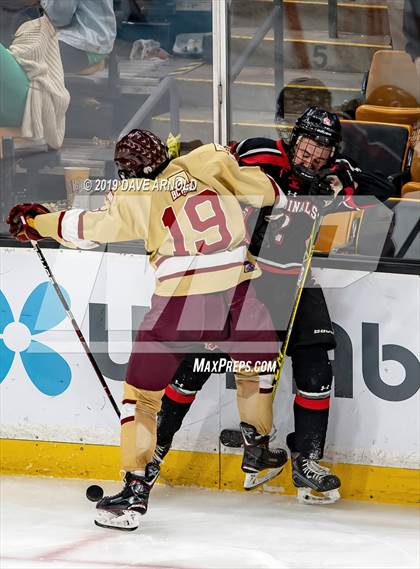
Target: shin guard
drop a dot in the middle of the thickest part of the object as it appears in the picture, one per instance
(138, 427)
(313, 377)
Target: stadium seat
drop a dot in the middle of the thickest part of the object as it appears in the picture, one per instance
(409, 188)
(392, 92)
(375, 147)
(338, 231)
(380, 147)
(395, 115)
(414, 184)
(406, 230)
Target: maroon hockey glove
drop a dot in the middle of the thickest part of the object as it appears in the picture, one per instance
(19, 230)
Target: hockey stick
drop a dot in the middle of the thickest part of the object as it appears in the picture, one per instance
(232, 437)
(73, 322)
(303, 274)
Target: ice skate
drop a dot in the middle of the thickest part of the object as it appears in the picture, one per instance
(309, 477)
(260, 463)
(123, 511)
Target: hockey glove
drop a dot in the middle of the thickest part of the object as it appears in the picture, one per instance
(19, 230)
(342, 179)
(321, 185)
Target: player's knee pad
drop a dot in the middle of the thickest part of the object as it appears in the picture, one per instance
(138, 426)
(312, 372)
(252, 381)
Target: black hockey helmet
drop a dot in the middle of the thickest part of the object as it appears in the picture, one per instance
(319, 125)
(314, 142)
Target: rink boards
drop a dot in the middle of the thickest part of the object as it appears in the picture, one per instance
(55, 419)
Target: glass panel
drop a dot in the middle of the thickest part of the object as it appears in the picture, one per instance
(158, 76)
(406, 232)
(356, 59)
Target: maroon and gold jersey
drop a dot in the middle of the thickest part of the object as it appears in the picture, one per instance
(189, 217)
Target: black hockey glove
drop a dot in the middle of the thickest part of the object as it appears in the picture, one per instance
(337, 180)
(343, 181)
(321, 184)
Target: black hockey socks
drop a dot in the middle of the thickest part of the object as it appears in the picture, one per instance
(175, 406)
(313, 376)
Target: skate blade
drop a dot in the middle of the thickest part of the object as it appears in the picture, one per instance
(127, 521)
(307, 496)
(255, 479)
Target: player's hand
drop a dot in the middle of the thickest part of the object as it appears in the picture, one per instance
(322, 184)
(342, 180)
(25, 231)
(335, 180)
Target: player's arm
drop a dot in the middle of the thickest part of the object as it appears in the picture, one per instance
(251, 185)
(124, 217)
(351, 186)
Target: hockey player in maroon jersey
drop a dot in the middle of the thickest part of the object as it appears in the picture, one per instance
(188, 212)
(311, 172)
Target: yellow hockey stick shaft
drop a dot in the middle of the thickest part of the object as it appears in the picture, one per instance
(306, 264)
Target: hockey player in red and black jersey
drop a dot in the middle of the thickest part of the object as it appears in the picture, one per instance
(311, 172)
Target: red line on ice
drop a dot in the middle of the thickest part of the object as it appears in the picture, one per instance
(85, 562)
(72, 547)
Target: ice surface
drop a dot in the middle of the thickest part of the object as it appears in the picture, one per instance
(47, 523)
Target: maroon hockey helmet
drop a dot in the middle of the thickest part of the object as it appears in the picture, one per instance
(140, 154)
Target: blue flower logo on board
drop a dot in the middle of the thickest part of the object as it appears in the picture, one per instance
(42, 311)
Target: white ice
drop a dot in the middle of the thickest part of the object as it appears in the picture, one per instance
(47, 523)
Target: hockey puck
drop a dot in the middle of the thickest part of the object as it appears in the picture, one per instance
(94, 493)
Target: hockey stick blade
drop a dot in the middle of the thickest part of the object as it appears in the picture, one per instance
(231, 438)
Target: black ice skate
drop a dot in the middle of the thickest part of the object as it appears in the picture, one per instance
(309, 476)
(260, 463)
(123, 510)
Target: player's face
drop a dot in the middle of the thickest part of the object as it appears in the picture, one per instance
(123, 172)
(311, 154)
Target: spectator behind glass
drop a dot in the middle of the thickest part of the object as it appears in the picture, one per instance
(411, 29)
(33, 97)
(87, 30)
(13, 13)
